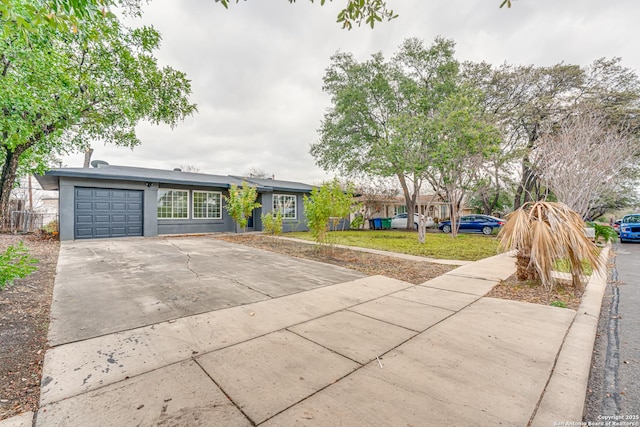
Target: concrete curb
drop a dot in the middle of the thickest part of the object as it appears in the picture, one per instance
(564, 396)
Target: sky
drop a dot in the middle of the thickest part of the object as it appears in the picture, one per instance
(256, 69)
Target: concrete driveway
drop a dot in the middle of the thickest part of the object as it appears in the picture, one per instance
(177, 332)
(106, 286)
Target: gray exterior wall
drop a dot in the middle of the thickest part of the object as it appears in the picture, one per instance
(67, 203)
(298, 224)
(188, 226)
(152, 226)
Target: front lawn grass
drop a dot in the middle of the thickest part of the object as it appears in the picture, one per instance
(563, 266)
(467, 247)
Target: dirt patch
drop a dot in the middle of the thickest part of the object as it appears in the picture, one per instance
(533, 292)
(24, 320)
(367, 263)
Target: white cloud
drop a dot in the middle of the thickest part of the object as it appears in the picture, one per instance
(257, 68)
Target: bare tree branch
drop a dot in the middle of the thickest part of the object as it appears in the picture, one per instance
(583, 159)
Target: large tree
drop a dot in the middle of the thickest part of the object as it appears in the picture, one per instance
(460, 142)
(61, 89)
(374, 125)
(528, 102)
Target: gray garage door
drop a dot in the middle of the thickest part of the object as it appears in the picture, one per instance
(107, 212)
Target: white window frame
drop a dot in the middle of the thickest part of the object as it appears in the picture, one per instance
(172, 217)
(443, 212)
(400, 209)
(193, 203)
(276, 206)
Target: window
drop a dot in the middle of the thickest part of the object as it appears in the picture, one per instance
(173, 204)
(286, 204)
(401, 209)
(207, 205)
(443, 212)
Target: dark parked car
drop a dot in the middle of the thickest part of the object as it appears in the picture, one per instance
(484, 224)
(630, 228)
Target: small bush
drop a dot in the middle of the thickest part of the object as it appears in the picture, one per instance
(272, 225)
(15, 263)
(51, 227)
(607, 233)
(325, 203)
(357, 222)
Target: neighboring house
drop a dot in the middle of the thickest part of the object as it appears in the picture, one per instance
(428, 204)
(31, 208)
(119, 201)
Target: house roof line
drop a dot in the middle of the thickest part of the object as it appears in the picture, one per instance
(50, 179)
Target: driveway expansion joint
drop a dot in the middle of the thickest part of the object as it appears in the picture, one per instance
(238, 407)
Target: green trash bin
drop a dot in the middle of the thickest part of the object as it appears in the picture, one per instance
(386, 223)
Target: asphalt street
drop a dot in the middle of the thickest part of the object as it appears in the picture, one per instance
(614, 385)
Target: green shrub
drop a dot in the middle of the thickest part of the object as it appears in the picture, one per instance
(328, 203)
(270, 224)
(15, 263)
(607, 233)
(357, 222)
(241, 202)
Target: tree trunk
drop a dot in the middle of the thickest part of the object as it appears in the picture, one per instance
(496, 195)
(409, 199)
(486, 205)
(526, 187)
(8, 179)
(422, 225)
(87, 157)
(577, 280)
(454, 196)
(524, 270)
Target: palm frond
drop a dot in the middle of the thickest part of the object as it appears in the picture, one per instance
(546, 232)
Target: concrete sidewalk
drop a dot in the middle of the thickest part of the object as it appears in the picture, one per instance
(367, 351)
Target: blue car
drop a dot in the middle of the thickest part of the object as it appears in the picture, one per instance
(484, 224)
(630, 228)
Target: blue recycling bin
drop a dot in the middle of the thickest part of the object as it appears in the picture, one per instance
(377, 223)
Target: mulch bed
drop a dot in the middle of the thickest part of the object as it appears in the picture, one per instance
(24, 320)
(534, 293)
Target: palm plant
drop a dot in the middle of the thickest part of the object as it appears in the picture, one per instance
(543, 233)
